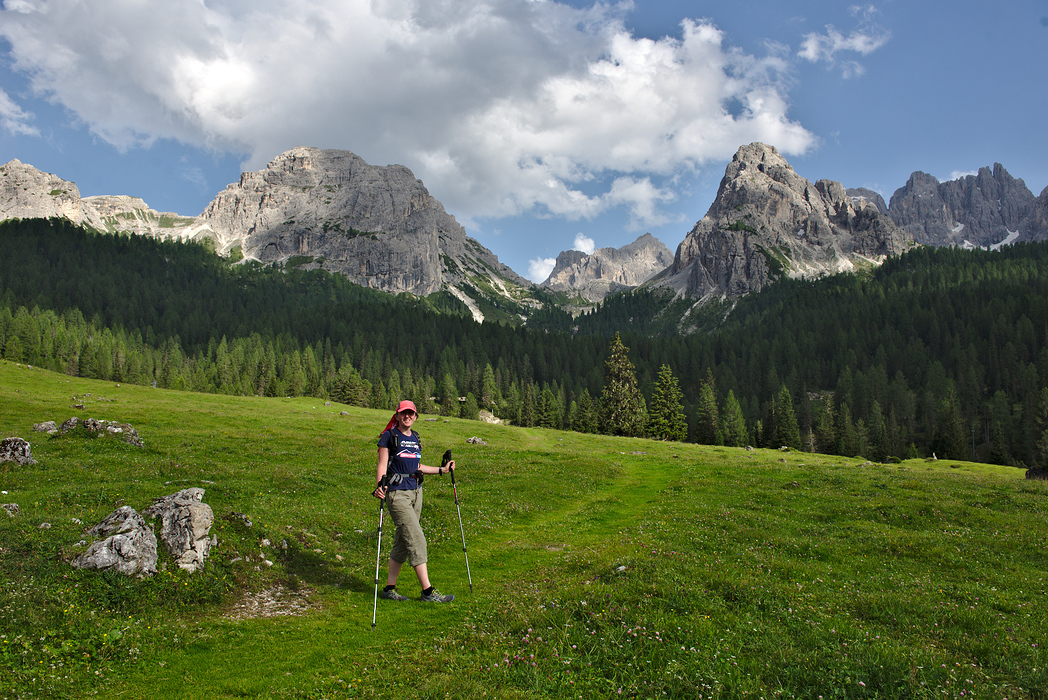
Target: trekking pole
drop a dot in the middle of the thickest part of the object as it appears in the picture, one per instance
(447, 458)
(378, 558)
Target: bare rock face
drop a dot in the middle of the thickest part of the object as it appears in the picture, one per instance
(185, 527)
(17, 450)
(128, 545)
(1035, 225)
(979, 210)
(768, 221)
(377, 225)
(26, 193)
(608, 270)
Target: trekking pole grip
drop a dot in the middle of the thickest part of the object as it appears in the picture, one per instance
(443, 463)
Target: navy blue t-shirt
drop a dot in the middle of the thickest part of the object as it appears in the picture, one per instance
(405, 459)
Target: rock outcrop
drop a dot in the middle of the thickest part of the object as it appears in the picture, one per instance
(768, 221)
(185, 527)
(124, 431)
(128, 545)
(607, 270)
(985, 209)
(17, 450)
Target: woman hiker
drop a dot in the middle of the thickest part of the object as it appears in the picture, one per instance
(400, 452)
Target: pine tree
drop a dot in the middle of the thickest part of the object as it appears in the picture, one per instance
(666, 419)
(526, 416)
(622, 408)
(787, 433)
(735, 433)
(708, 428)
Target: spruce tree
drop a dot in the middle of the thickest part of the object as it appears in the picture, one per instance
(735, 432)
(708, 428)
(666, 415)
(787, 432)
(622, 408)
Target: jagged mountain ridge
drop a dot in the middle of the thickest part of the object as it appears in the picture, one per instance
(607, 270)
(986, 209)
(379, 226)
(768, 221)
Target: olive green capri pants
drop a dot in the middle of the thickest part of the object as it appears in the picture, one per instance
(409, 542)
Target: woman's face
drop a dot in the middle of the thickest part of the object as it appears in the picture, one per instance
(405, 419)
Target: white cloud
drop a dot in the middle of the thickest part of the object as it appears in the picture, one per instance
(864, 40)
(13, 119)
(584, 244)
(500, 106)
(539, 269)
(958, 174)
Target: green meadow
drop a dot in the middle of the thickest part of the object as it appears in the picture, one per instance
(601, 567)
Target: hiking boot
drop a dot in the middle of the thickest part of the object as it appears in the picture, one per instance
(436, 597)
(391, 594)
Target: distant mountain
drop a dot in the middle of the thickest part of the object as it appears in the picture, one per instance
(982, 210)
(27, 193)
(310, 208)
(606, 270)
(767, 221)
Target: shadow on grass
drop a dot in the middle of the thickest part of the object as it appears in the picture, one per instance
(314, 568)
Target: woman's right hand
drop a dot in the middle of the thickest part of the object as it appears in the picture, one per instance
(379, 493)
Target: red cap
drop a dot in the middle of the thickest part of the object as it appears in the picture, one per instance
(402, 406)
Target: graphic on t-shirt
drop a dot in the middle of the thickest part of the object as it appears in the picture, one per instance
(411, 452)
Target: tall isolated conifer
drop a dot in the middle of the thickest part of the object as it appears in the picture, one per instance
(708, 427)
(666, 414)
(735, 432)
(622, 408)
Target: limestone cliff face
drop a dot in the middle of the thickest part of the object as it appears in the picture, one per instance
(980, 210)
(26, 192)
(378, 226)
(768, 221)
(608, 270)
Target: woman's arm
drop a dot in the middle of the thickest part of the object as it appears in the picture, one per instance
(380, 472)
(436, 470)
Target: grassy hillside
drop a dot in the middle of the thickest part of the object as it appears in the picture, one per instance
(599, 564)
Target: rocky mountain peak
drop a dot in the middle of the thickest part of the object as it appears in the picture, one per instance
(984, 209)
(606, 270)
(377, 225)
(767, 221)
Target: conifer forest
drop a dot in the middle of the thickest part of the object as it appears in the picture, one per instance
(939, 351)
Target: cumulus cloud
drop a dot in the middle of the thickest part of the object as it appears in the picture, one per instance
(584, 244)
(501, 107)
(539, 269)
(835, 48)
(13, 119)
(958, 174)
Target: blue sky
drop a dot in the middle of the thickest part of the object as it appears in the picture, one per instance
(542, 126)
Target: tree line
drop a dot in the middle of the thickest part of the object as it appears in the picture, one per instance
(938, 351)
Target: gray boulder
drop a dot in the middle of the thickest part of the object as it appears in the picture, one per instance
(128, 545)
(17, 450)
(46, 427)
(185, 527)
(11, 509)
